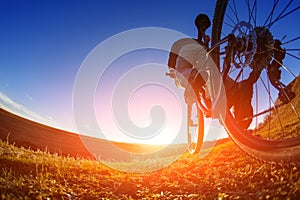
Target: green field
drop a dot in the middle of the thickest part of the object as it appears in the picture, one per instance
(225, 173)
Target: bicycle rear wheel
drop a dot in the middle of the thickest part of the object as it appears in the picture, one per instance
(195, 126)
(269, 128)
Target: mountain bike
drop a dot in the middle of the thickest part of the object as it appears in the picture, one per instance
(258, 60)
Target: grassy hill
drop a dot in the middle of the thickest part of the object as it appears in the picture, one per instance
(283, 122)
(226, 173)
(29, 134)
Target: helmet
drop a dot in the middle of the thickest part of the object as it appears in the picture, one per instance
(202, 21)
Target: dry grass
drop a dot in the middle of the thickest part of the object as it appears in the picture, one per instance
(226, 173)
(283, 123)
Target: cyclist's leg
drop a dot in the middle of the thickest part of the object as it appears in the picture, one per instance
(240, 96)
(242, 106)
(197, 79)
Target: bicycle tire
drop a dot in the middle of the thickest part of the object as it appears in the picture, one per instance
(287, 150)
(217, 25)
(195, 127)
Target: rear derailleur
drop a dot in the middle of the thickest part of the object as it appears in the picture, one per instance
(285, 94)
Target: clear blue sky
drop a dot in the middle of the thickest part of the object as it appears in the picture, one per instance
(43, 43)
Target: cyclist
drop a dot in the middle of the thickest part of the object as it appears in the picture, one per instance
(187, 56)
(186, 61)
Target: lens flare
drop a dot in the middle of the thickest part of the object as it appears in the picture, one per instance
(124, 101)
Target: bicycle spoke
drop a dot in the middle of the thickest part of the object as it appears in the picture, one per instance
(231, 20)
(292, 50)
(293, 107)
(270, 113)
(254, 9)
(269, 18)
(282, 65)
(281, 16)
(285, 68)
(234, 11)
(295, 77)
(229, 25)
(256, 105)
(250, 12)
(292, 40)
(285, 15)
(293, 56)
(271, 100)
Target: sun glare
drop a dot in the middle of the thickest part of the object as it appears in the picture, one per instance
(135, 108)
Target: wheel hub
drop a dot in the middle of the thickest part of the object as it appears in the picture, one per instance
(246, 44)
(253, 47)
